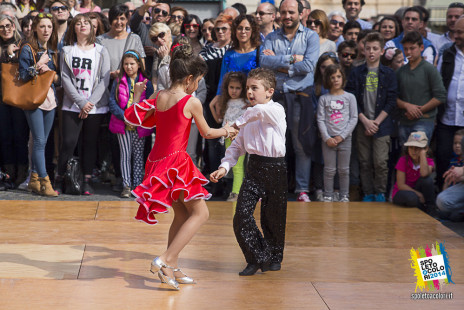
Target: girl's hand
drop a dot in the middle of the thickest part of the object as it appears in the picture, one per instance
(231, 130)
(216, 175)
(44, 59)
(129, 125)
(86, 110)
(140, 87)
(423, 152)
(331, 142)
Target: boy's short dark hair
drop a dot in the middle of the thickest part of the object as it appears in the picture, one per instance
(362, 2)
(414, 9)
(329, 71)
(460, 132)
(375, 37)
(350, 25)
(266, 76)
(345, 44)
(413, 37)
(362, 34)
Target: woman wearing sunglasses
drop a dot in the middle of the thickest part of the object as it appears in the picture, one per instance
(191, 28)
(160, 36)
(336, 22)
(44, 43)
(14, 131)
(318, 21)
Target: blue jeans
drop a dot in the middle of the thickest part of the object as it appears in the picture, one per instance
(404, 130)
(40, 122)
(302, 161)
(451, 201)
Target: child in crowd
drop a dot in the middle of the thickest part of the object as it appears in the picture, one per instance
(414, 184)
(325, 60)
(347, 52)
(392, 57)
(337, 115)
(457, 160)
(360, 59)
(262, 135)
(375, 89)
(229, 108)
(131, 140)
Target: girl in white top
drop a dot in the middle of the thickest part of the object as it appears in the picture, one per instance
(229, 108)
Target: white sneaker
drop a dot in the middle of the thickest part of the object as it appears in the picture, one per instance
(319, 195)
(327, 199)
(336, 196)
(344, 198)
(303, 197)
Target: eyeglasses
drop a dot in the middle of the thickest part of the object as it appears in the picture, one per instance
(163, 12)
(160, 35)
(45, 15)
(348, 55)
(336, 22)
(223, 29)
(7, 27)
(261, 13)
(194, 26)
(209, 29)
(179, 17)
(57, 8)
(316, 22)
(241, 29)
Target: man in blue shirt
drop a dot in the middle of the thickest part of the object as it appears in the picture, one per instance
(352, 10)
(292, 52)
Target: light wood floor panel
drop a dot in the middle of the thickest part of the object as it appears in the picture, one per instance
(335, 258)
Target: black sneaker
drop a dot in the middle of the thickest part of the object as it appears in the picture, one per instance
(87, 189)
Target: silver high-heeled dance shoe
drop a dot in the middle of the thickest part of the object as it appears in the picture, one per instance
(156, 266)
(185, 279)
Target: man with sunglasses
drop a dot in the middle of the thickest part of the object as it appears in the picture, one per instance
(161, 12)
(265, 16)
(352, 9)
(60, 11)
(292, 52)
(337, 21)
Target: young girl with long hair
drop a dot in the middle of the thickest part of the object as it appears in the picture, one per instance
(337, 116)
(131, 140)
(44, 44)
(85, 73)
(230, 107)
(171, 179)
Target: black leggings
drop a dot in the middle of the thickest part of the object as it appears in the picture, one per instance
(70, 131)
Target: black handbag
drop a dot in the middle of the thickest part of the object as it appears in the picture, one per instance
(73, 178)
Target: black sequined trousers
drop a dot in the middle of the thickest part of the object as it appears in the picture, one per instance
(265, 178)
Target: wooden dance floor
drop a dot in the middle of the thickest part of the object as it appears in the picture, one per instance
(93, 255)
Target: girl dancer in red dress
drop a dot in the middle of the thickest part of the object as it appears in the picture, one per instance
(171, 179)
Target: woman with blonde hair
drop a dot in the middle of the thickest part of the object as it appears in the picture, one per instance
(160, 35)
(318, 21)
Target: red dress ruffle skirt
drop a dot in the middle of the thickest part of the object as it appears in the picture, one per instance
(165, 178)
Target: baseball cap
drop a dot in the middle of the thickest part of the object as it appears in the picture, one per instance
(417, 138)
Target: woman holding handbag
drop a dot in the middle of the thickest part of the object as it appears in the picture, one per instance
(85, 76)
(14, 131)
(36, 58)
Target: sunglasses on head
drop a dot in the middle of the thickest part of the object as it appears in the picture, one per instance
(195, 26)
(350, 55)
(331, 55)
(161, 35)
(316, 22)
(45, 15)
(163, 12)
(336, 22)
(57, 8)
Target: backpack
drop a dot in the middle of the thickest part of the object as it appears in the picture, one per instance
(73, 177)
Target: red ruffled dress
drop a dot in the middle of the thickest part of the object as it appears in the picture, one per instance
(169, 169)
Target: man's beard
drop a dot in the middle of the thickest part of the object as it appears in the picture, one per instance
(62, 21)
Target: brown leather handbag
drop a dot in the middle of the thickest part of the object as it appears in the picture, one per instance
(25, 95)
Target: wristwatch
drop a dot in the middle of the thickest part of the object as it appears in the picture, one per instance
(11, 56)
(292, 59)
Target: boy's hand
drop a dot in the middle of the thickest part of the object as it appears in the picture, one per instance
(218, 174)
(413, 111)
(371, 127)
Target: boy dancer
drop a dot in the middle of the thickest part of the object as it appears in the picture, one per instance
(262, 135)
(375, 88)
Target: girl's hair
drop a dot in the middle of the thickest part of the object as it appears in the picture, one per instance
(239, 77)
(318, 78)
(393, 19)
(71, 36)
(331, 70)
(180, 40)
(136, 56)
(185, 62)
(255, 39)
(389, 54)
(52, 42)
(188, 20)
(25, 21)
(175, 28)
(320, 15)
(97, 17)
